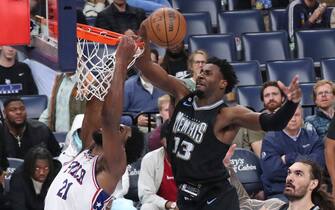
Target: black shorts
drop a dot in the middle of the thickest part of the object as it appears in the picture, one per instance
(218, 196)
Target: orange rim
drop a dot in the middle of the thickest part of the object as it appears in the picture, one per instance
(100, 35)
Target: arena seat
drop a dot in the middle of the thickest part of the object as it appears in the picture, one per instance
(278, 19)
(265, 46)
(248, 73)
(328, 69)
(249, 96)
(219, 45)
(316, 44)
(134, 172)
(198, 23)
(211, 6)
(60, 137)
(238, 4)
(285, 70)
(307, 101)
(35, 104)
(14, 163)
(241, 21)
(248, 170)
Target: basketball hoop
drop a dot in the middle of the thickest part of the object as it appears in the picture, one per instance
(96, 60)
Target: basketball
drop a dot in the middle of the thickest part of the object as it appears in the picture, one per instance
(166, 27)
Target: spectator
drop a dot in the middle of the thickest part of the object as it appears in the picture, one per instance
(63, 106)
(306, 14)
(195, 63)
(280, 149)
(140, 96)
(3, 166)
(120, 17)
(324, 98)
(330, 153)
(272, 97)
(149, 5)
(21, 134)
(93, 7)
(15, 77)
(303, 188)
(154, 140)
(175, 60)
(157, 189)
(30, 182)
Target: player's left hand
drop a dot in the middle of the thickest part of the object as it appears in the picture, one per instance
(293, 91)
(126, 50)
(229, 154)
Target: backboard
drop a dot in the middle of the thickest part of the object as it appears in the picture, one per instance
(53, 34)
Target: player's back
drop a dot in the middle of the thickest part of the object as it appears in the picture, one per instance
(75, 186)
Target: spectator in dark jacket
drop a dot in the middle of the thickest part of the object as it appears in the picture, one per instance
(30, 182)
(280, 149)
(20, 133)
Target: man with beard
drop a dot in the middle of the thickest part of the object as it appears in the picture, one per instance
(175, 60)
(272, 97)
(324, 98)
(280, 149)
(302, 188)
(20, 134)
(202, 127)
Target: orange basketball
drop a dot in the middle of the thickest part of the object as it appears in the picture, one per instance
(166, 27)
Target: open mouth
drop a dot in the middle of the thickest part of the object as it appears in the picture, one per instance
(289, 185)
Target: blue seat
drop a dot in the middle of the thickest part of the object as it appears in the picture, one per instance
(219, 45)
(248, 73)
(241, 21)
(265, 46)
(249, 96)
(197, 24)
(278, 19)
(60, 137)
(239, 4)
(14, 163)
(316, 44)
(211, 6)
(307, 101)
(248, 170)
(328, 69)
(35, 104)
(285, 70)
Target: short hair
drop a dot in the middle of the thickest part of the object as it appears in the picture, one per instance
(319, 196)
(10, 100)
(163, 99)
(155, 52)
(226, 70)
(134, 144)
(271, 84)
(190, 59)
(38, 152)
(320, 83)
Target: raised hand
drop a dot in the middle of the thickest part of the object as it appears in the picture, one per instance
(229, 154)
(293, 91)
(126, 50)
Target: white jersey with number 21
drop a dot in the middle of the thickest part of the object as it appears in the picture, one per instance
(75, 187)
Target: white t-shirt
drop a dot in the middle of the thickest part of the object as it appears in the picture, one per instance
(75, 187)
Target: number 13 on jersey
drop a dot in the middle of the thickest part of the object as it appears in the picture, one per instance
(182, 149)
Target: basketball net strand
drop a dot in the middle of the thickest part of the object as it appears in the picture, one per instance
(95, 68)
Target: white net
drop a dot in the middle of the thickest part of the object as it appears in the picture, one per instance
(95, 68)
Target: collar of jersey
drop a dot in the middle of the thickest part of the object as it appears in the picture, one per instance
(208, 107)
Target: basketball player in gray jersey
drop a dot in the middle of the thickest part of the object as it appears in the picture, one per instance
(202, 128)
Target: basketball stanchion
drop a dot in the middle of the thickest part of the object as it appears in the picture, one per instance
(96, 60)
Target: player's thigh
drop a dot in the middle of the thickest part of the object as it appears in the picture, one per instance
(226, 200)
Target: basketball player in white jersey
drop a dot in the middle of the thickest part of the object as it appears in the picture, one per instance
(88, 181)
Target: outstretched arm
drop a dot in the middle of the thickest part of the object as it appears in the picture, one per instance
(156, 74)
(113, 139)
(244, 117)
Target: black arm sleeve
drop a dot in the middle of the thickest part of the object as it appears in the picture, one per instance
(331, 129)
(277, 121)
